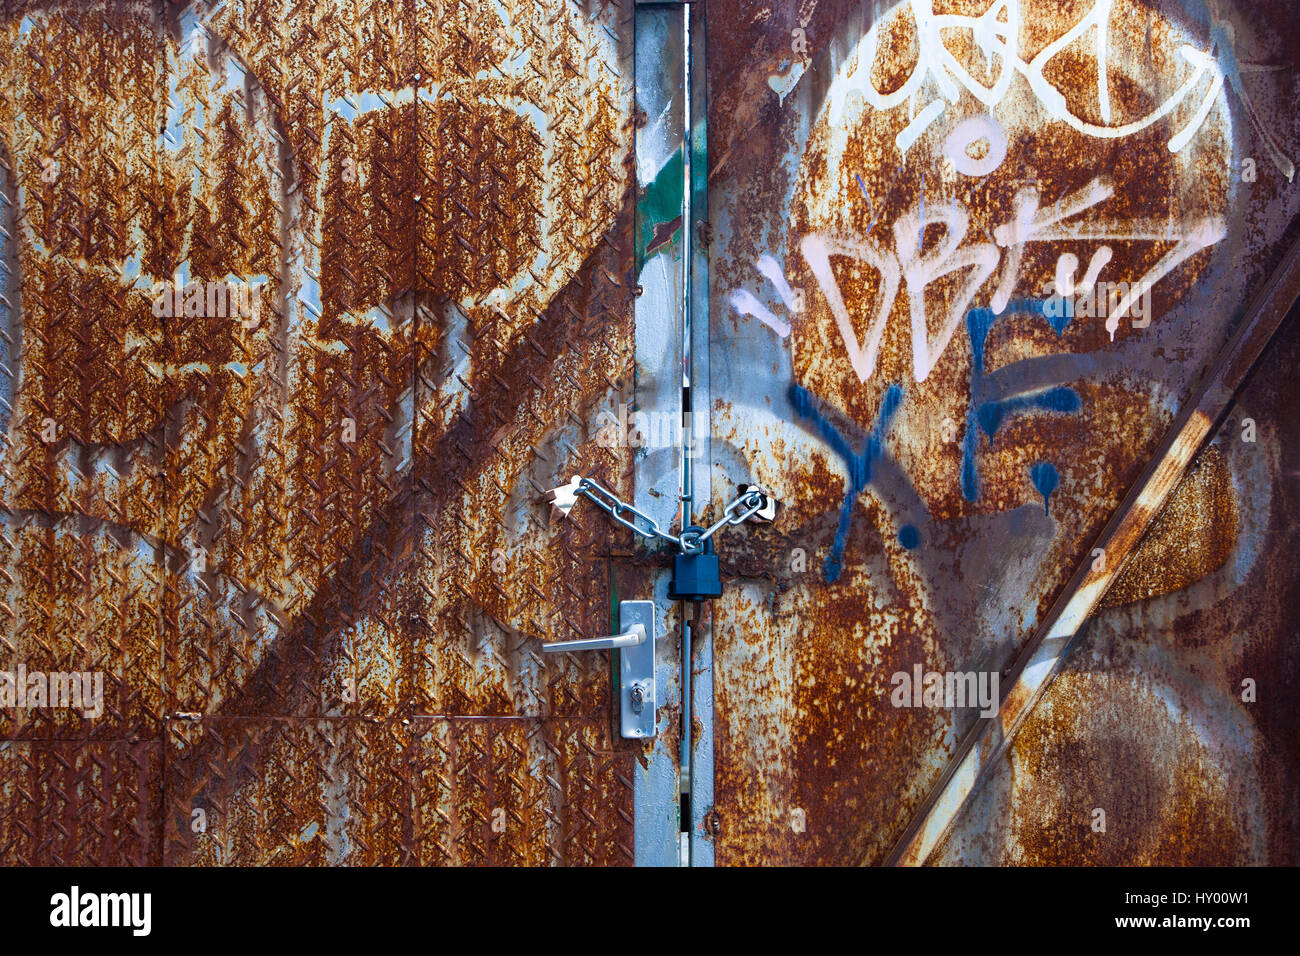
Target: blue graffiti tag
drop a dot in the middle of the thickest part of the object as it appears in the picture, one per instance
(988, 413)
(860, 465)
(1045, 479)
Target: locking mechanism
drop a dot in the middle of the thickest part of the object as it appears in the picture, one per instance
(696, 577)
(696, 573)
(636, 665)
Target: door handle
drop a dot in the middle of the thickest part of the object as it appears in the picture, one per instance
(633, 636)
(635, 644)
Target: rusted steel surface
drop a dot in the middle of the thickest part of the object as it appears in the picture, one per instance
(1151, 720)
(1041, 655)
(891, 196)
(303, 304)
(436, 792)
(69, 802)
(83, 500)
(292, 518)
(1192, 536)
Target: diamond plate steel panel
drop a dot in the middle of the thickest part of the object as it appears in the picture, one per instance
(524, 322)
(77, 605)
(272, 268)
(287, 793)
(484, 792)
(521, 792)
(80, 487)
(72, 804)
(303, 455)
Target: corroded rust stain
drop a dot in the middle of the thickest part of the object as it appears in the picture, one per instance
(1108, 743)
(444, 792)
(916, 480)
(1153, 721)
(256, 528)
(71, 155)
(1192, 537)
(82, 495)
(121, 782)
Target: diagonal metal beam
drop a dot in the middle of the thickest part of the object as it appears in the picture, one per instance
(1036, 665)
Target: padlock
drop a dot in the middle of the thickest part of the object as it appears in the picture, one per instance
(696, 577)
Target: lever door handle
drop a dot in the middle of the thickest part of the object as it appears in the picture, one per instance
(634, 635)
(635, 665)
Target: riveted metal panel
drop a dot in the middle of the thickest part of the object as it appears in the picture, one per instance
(893, 188)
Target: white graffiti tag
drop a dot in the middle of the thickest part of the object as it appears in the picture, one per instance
(997, 35)
(902, 266)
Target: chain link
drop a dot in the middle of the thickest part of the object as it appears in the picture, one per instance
(692, 542)
(612, 505)
(688, 542)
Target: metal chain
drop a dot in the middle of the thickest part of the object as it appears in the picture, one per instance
(688, 542)
(692, 542)
(612, 505)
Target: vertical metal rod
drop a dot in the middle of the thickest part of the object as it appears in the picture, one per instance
(688, 417)
(687, 635)
(688, 439)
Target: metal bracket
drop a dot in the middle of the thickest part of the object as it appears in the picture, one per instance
(638, 678)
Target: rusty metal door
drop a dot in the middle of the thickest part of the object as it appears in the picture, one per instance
(304, 305)
(983, 277)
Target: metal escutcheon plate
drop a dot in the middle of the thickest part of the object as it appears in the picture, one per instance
(636, 669)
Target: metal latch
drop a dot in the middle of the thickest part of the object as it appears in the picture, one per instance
(637, 675)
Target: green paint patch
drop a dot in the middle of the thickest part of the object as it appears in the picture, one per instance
(659, 210)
